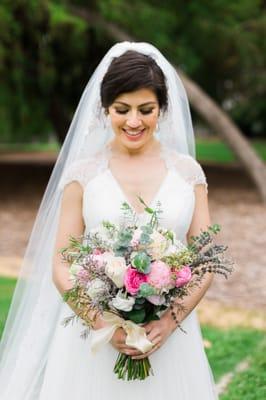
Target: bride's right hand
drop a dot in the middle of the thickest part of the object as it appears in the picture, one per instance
(118, 341)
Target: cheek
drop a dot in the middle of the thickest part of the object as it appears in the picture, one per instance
(117, 120)
(151, 121)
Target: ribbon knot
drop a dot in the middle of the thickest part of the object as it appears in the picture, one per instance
(136, 335)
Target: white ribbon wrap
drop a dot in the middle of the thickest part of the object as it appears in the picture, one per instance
(136, 335)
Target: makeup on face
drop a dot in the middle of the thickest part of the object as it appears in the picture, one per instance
(134, 117)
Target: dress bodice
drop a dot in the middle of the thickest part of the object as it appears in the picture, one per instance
(103, 196)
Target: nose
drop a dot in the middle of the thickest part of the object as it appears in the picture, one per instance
(133, 121)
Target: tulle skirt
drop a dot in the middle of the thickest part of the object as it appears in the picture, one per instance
(180, 366)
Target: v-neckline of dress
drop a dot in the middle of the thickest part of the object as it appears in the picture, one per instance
(126, 199)
(122, 192)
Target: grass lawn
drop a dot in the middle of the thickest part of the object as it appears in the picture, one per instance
(215, 150)
(228, 348)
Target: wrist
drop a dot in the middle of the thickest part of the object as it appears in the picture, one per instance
(169, 321)
(98, 323)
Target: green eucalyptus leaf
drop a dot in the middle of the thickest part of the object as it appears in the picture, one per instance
(142, 262)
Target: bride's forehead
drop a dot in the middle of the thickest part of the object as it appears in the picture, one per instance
(137, 97)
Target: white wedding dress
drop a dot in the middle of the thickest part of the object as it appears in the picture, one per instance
(180, 366)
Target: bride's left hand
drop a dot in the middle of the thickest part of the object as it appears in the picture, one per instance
(157, 332)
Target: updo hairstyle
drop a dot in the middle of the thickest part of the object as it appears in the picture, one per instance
(132, 71)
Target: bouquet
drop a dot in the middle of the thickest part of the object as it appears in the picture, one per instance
(131, 273)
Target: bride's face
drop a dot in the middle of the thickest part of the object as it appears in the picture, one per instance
(134, 117)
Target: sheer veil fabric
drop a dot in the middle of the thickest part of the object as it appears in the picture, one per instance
(36, 303)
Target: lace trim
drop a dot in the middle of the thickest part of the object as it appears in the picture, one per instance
(84, 170)
(190, 170)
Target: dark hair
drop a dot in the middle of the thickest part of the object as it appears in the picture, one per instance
(132, 71)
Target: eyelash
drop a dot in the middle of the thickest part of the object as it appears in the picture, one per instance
(146, 112)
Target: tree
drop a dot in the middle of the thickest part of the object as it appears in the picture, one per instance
(206, 107)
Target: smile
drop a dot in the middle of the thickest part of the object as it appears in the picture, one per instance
(134, 134)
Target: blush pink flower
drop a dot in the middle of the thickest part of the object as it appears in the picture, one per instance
(97, 251)
(183, 276)
(160, 275)
(83, 276)
(98, 259)
(133, 279)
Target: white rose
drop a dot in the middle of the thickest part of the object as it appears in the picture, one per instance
(102, 233)
(122, 303)
(158, 246)
(136, 237)
(74, 270)
(115, 269)
(96, 288)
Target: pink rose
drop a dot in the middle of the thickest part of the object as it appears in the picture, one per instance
(133, 279)
(160, 275)
(97, 252)
(183, 276)
(157, 300)
(100, 258)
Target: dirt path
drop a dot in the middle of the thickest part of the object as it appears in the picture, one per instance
(233, 203)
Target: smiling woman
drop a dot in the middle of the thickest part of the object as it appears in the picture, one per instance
(99, 167)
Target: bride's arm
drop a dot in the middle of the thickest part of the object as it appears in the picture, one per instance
(70, 224)
(159, 331)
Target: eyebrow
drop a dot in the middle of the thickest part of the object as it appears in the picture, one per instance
(141, 105)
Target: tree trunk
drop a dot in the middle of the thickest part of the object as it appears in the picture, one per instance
(203, 105)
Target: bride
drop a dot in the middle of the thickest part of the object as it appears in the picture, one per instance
(131, 136)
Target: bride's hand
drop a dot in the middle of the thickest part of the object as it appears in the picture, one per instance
(118, 341)
(157, 333)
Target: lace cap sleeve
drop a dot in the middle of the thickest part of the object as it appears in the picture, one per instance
(80, 171)
(190, 170)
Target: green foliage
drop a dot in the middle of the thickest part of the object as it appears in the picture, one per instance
(47, 55)
(142, 262)
(218, 43)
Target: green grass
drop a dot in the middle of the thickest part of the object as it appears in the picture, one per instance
(228, 348)
(215, 150)
(250, 384)
(7, 286)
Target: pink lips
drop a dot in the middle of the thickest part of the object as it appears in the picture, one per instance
(136, 137)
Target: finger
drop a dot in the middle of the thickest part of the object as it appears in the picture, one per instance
(154, 336)
(140, 356)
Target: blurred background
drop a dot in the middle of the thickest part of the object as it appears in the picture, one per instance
(48, 51)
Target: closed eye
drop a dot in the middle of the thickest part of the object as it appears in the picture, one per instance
(148, 111)
(121, 111)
